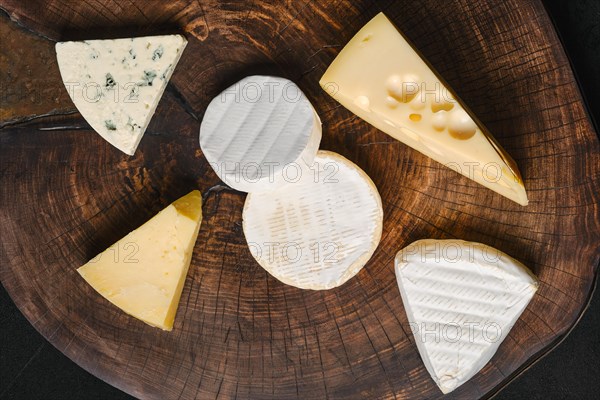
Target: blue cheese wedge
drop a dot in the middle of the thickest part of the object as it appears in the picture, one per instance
(461, 299)
(117, 84)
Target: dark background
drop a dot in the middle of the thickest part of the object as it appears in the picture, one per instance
(31, 368)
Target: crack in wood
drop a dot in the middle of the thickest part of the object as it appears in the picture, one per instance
(16, 123)
(377, 143)
(7, 14)
(180, 99)
(218, 188)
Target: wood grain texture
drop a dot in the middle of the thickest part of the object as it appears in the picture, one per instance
(30, 86)
(239, 333)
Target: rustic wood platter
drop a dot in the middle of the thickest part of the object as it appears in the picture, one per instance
(239, 333)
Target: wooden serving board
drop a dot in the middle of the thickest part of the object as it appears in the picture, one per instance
(239, 333)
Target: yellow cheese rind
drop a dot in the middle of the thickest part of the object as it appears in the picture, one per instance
(383, 80)
(143, 274)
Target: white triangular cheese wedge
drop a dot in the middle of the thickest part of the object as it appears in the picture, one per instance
(382, 79)
(258, 131)
(143, 273)
(320, 229)
(117, 84)
(461, 299)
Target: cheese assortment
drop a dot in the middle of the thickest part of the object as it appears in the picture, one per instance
(383, 80)
(461, 299)
(259, 131)
(117, 84)
(143, 273)
(320, 230)
(312, 218)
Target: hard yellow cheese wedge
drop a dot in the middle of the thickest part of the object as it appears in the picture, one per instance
(143, 273)
(383, 80)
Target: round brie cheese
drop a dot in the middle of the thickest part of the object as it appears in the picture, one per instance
(258, 131)
(319, 230)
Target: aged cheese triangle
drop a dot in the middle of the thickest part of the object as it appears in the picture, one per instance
(117, 84)
(143, 273)
(461, 299)
(382, 79)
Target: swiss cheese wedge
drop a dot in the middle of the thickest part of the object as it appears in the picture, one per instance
(382, 79)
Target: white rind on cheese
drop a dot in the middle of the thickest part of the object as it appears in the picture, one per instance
(461, 299)
(117, 84)
(258, 131)
(382, 79)
(143, 274)
(319, 231)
